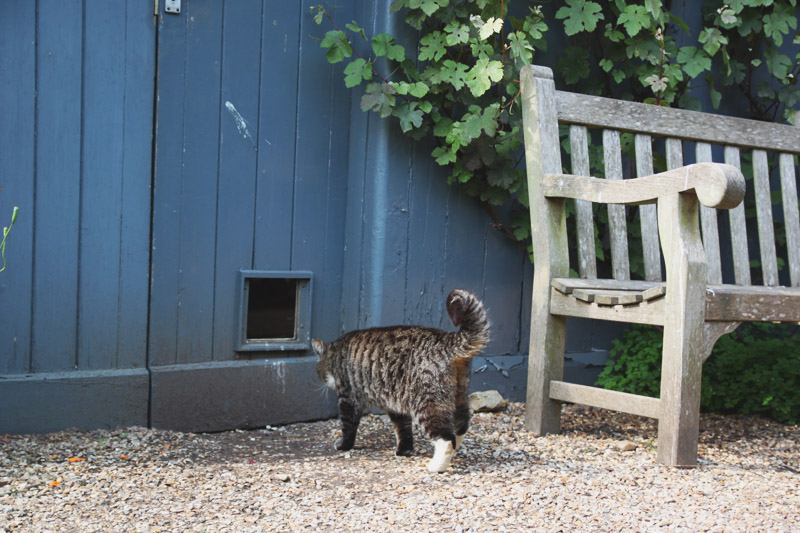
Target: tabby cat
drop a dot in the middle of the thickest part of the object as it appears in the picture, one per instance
(415, 374)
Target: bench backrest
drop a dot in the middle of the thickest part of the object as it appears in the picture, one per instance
(763, 146)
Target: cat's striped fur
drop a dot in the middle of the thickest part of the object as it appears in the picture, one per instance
(415, 374)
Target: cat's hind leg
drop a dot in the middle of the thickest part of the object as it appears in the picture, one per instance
(438, 424)
(350, 415)
(461, 414)
(404, 433)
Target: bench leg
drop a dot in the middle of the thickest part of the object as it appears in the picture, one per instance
(545, 364)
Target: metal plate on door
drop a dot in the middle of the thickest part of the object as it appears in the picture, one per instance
(173, 6)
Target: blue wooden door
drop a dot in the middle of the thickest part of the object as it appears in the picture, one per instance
(250, 174)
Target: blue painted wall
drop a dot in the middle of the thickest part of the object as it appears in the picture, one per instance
(153, 158)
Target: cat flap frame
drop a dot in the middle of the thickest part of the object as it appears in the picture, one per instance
(300, 340)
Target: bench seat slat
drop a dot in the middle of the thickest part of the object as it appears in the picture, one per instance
(651, 249)
(617, 225)
(579, 154)
(766, 233)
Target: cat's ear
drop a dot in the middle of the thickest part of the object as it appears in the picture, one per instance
(455, 308)
(318, 346)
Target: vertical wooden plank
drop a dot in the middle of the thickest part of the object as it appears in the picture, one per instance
(674, 153)
(428, 221)
(238, 156)
(17, 101)
(708, 221)
(198, 200)
(549, 230)
(164, 291)
(101, 190)
(321, 174)
(502, 274)
(617, 225)
(277, 138)
(766, 232)
(136, 186)
(58, 186)
(790, 216)
(741, 256)
(579, 155)
(648, 217)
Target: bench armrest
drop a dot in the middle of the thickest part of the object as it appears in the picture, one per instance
(717, 185)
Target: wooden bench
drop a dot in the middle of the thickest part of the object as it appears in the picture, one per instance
(694, 306)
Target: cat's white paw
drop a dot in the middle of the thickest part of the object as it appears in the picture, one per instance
(442, 455)
(459, 440)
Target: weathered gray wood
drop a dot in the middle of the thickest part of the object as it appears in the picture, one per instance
(674, 153)
(567, 285)
(708, 221)
(605, 399)
(766, 232)
(654, 292)
(648, 218)
(651, 312)
(753, 304)
(606, 297)
(741, 257)
(790, 216)
(678, 423)
(662, 121)
(551, 259)
(716, 184)
(579, 153)
(712, 331)
(617, 225)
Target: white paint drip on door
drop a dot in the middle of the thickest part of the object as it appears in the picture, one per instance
(241, 123)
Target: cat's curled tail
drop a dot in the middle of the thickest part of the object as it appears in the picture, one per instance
(467, 311)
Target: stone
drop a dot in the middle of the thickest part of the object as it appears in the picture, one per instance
(489, 401)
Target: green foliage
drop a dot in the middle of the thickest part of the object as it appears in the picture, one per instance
(754, 370)
(6, 231)
(459, 85)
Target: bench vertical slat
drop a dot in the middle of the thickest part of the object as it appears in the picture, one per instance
(579, 153)
(708, 223)
(766, 232)
(647, 213)
(674, 153)
(790, 216)
(612, 156)
(741, 257)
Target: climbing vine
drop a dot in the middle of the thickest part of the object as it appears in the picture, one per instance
(457, 83)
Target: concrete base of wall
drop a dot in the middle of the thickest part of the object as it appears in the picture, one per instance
(85, 400)
(238, 394)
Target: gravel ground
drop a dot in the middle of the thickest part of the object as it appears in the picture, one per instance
(600, 474)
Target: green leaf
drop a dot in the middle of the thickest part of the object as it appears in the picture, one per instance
(338, 46)
(778, 65)
(428, 6)
(378, 97)
(456, 33)
(634, 18)
(693, 60)
(432, 46)
(410, 116)
(357, 71)
(480, 77)
(355, 28)
(443, 155)
(490, 27)
(579, 15)
(712, 39)
(384, 44)
(777, 23)
(680, 22)
(606, 64)
(318, 12)
(520, 47)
